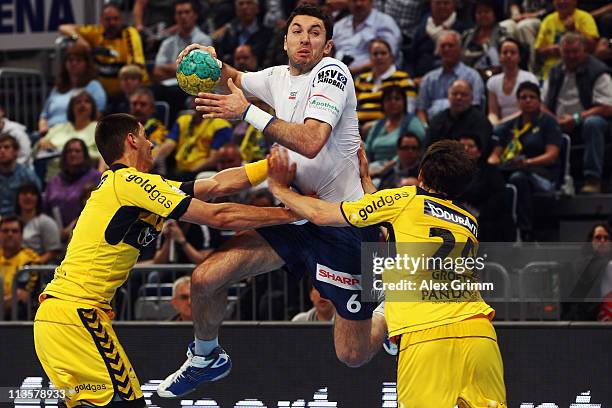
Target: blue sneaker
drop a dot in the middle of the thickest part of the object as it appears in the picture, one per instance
(195, 371)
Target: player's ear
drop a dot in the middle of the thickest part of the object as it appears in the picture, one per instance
(329, 45)
(131, 139)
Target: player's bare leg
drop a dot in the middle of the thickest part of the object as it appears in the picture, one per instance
(357, 341)
(245, 255)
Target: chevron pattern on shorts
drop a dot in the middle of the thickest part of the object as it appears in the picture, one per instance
(109, 352)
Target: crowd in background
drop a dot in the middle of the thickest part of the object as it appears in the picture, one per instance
(516, 82)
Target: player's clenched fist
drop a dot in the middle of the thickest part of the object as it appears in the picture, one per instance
(280, 174)
(210, 50)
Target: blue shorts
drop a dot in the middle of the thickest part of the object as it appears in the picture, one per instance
(332, 258)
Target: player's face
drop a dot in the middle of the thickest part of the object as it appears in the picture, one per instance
(305, 43)
(145, 150)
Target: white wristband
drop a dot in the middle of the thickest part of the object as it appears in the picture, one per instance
(258, 118)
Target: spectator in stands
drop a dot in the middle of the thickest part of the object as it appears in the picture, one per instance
(245, 59)
(566, 19)
(502, 87)
(423, 56)
(130, 79)
(460, 118)
(78, 72)
(528, 148)
(485, 196)
(592, 283)
(603, 16)
(112, 43)
(196, 142)
(154, 21)
(434, 87)
(12, 174)
(229, 156)
(18, 131)
(253, 144)
(181, 299)
(352, 34)
(244, 29)
(480, 44)
(186, 16)
(13, 257)
(406, 13)
(404, 170)
(66, 232)
(82, 115)
(381, 142)
(62, 197)
(524, 23)
(369, 85)
(182, 243)
(579, 93)
(322, 309)
(142, 106)
(40, 232)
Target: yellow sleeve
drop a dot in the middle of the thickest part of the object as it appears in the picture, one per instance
(151, 192)
(546, 33)
(585, 23)
(92, 33)
(382, 206)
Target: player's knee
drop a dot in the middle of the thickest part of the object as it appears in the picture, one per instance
(204, 280)
(352, 358)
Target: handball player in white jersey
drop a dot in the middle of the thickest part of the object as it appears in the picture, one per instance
(314, 100)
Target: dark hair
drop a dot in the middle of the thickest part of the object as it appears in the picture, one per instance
(111, 3)
(315, 12)
(380, 40)
(94, 108)
(12, 218)
(476, 139)
(62, 82)
(602, 225)
(487, 3)
(390, 90)
(514, 41)
(447, 168)
(10, 138)
(87, 161)
(194, 5)
(111, 132)
(144, 90)
(528, 86)
(29, 188)
(408, 135)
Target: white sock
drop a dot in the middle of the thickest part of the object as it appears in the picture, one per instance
(205, 347)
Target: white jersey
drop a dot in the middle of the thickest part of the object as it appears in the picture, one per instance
(327, 94)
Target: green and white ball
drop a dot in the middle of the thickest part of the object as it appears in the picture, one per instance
(198, 72)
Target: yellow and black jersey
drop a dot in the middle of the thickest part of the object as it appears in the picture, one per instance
(123, 215)
(427, 228)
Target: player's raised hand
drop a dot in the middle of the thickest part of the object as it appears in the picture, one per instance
(230, 106)
(189, 48)
(280, 173)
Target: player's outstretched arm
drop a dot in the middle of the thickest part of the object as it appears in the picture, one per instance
(236, 216)
(230, 181)
(314, 210)
(306, 138)
(227, 71)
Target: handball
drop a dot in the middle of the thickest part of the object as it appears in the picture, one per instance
(198, 72)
